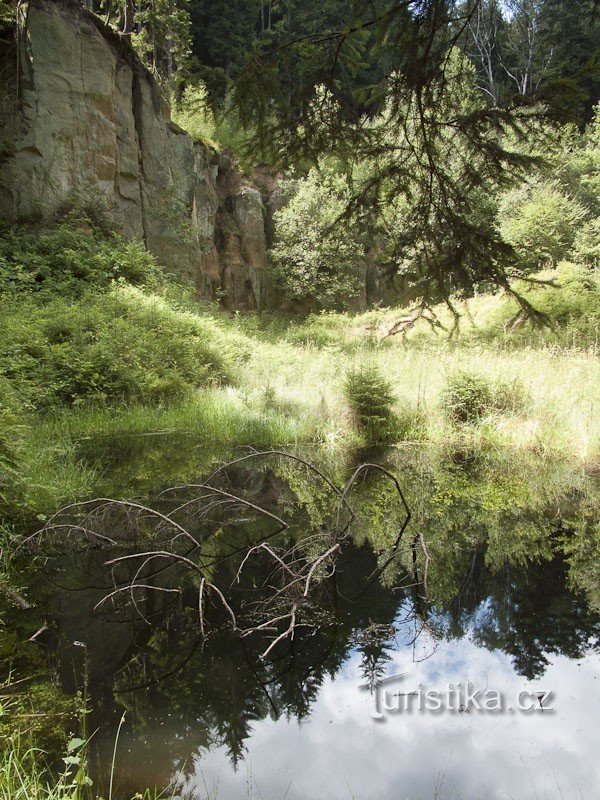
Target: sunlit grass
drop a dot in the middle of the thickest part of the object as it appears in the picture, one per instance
(289, 395)
(288, 388)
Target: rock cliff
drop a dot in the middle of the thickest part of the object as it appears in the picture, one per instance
(82, 123)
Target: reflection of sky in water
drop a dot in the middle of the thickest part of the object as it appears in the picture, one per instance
(341, 752)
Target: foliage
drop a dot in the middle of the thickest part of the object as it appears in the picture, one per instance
(391, 87)
(469, 397)
(159, 31)
(371, 399)
(7, 12)
(583, 550)
(121, 346)
(69, 258)
(193, 113)
(575, 164)
(222, 36)
(586, 248)
(317, 258)
(346, 213)
(528, 46)
(25, 773)
(10, 433)
(574, 305)
(540, 222)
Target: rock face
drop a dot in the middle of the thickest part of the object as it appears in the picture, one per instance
(82, 124)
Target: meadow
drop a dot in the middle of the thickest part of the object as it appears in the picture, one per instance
(485, 384)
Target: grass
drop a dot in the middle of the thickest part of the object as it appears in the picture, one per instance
(563, 385)
(290, 387)
(289, 394)
(28, 772)
(25, 775)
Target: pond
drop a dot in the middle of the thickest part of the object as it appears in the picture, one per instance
(456, 654)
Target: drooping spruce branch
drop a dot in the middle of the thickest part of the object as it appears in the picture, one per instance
(390, 86)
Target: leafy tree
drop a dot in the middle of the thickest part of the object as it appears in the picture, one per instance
(193, 112)
(571, 30)
(578, 165)
(317, 258)
(371, 400)
(163, 35)
(540, 222)
(159, 30)
(533, 45)
(526, 52)
(298, 75)
(223, 32)
(484, 32)
(586, 247)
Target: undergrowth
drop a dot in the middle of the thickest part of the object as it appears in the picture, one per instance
(97, 342)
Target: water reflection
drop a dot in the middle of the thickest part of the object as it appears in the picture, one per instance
(341, 752)
(503, 597)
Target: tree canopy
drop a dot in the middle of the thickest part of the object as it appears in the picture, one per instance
(427, 107)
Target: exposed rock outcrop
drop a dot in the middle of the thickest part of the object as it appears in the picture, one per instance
(83, 124)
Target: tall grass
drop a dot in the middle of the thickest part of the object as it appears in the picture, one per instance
(289, 394)
(290, 380)
(25, 775)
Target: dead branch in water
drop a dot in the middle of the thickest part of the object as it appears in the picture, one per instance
(278, 580)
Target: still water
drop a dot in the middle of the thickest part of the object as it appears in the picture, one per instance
(493, 588)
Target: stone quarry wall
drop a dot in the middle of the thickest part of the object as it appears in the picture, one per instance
(82, 124)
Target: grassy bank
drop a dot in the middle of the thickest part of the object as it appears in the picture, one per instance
(302, 400)
(267, 380)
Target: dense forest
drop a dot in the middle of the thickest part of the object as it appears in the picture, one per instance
(404, 127)
(343, 259)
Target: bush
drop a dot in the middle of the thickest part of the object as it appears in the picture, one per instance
(193, 113)
(575, 303)
(318, 259)
(69, 258)
(370, 397)
(469, 397)
(587, 243)
(123, 345)
(540, 221)
(10, 429)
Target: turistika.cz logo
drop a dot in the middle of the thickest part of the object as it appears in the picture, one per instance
(388, 699)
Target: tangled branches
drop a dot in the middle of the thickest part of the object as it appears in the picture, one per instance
(230, 541)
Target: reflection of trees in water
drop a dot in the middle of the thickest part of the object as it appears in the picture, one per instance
(532, 615)
(494, 533)
(225, 688)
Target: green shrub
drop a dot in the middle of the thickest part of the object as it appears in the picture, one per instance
(10, 434)
(193, 113)
(576, 300)
(69, 258)
(370, 397)
(469, 397)
(122, 345)
(587, 243)
(317, 260)
(540, 221)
